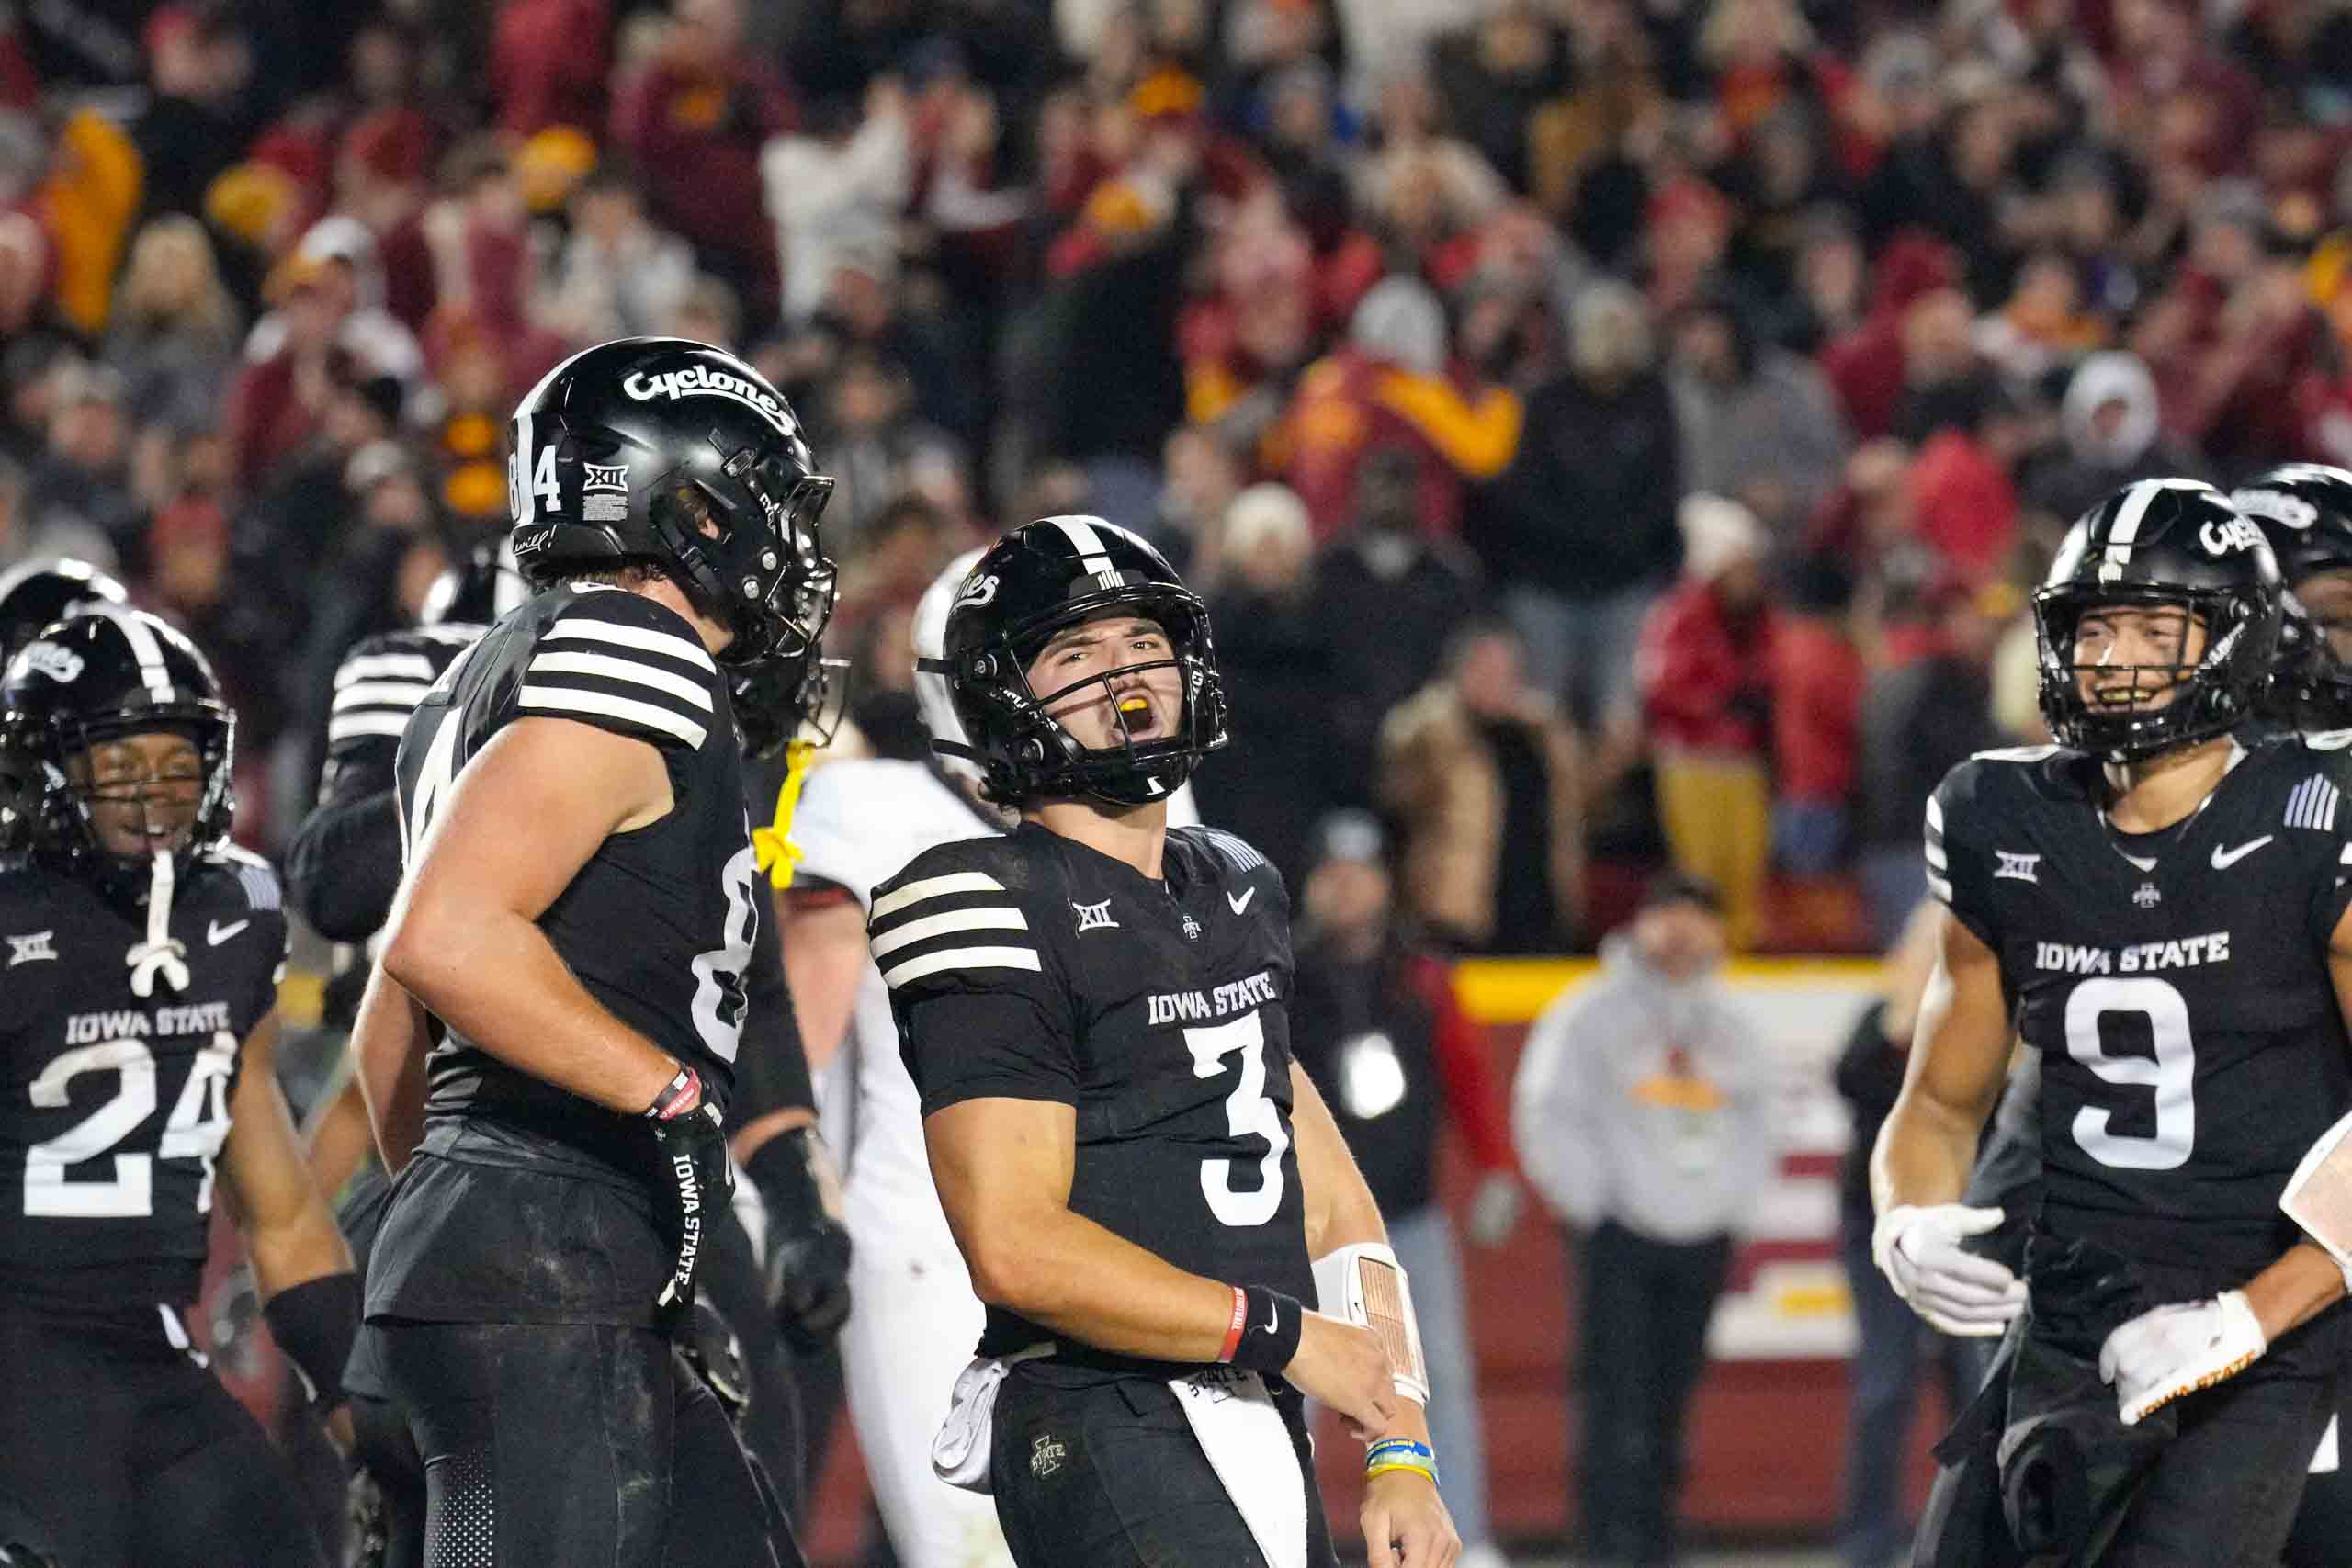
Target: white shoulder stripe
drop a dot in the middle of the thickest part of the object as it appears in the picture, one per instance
(1935, 856)
(563, 700)
(546, 662)
(1006, 918)
(1935, 814)
(668, 644)
(350, 726)
(381, 693)
(934, 887)
(385, 666)
(1940, 887)
(261, 886)
(962, 958)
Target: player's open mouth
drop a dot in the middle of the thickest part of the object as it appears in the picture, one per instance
(1136, 716)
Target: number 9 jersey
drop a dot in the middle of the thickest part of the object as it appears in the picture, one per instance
(1033, 967)
(2176, 984)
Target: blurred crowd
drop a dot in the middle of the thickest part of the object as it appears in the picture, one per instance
(1608, 433)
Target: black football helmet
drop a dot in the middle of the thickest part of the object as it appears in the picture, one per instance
(478, 591)
(669, 453)
(1035, 582)
(2161, 543)
(105, 672)
(35, 592)
(775, 699)
(2305, 511)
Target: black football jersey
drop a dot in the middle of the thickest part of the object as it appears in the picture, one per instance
(2176, 984)
(113, 1106)
(501, 1219)
(1033, 967)
(377, 687)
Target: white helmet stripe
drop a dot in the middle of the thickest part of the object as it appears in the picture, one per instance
(1086, 542)
(144, 647)
(2126, 532)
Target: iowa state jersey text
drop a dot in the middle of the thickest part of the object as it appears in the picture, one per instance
(2176, 984)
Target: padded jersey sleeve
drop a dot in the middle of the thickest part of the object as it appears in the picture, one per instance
(623, 663)
(266, 907)
(1959, 873)
(2322, 804)
(982, 1007)
(824, 826)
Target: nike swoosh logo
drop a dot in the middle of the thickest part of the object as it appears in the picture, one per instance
(1241, 903)
(1273, 1309)
(2224, 859)
(216, 933)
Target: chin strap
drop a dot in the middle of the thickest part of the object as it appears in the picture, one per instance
(159, 952)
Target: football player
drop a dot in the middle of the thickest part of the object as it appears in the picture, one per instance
(2305, 511)
(32, 594)
(859, 822)
(143, 954)
(578, 914)
(1139, 1180)
(2160, 907)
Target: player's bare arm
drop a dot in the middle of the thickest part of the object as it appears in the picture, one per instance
(1959, 1057)
(288, 1228)
(309, 1295)
(522, 820)
(1919, 1169)
(1405, 1521)
(389, 1039)
(336, 1141)
(824, 957)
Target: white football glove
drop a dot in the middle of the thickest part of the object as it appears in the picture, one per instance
(2171, 1351)
(1917, 1249)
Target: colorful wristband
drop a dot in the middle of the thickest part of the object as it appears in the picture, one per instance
(1418, 1469)
(1233, 1328)
(682, 1094)
(1271, 1324)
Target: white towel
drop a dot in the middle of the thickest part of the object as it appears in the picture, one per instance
(959, 1455)
(1235, 1422)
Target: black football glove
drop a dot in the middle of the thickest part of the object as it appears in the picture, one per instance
(710, 1348)
(808, 1244)
(692, 1185)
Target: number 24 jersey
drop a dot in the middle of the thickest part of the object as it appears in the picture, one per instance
(1033, 967)
(2176, 984)
(113, 1106)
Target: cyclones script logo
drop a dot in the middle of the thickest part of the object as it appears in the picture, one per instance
(702, 381)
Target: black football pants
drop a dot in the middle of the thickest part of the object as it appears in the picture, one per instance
(574, 1445)
(1089, 1472)
(121, 1451)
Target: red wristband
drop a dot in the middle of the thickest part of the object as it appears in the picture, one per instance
(1233, 1329)
(682, 1094)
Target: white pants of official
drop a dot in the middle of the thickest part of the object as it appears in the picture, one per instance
(911, 1330)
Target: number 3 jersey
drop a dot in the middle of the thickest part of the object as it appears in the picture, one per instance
(528, 1202)
(114, 1106)
(2175, 983)
(1033, 967)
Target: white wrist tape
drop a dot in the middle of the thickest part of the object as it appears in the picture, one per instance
(1363, 1283)
(2319, 1195)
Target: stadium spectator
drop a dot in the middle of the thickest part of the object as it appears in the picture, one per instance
(1582, 547)
(1706, 666)
(1642, 1117)
(1486, 779)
